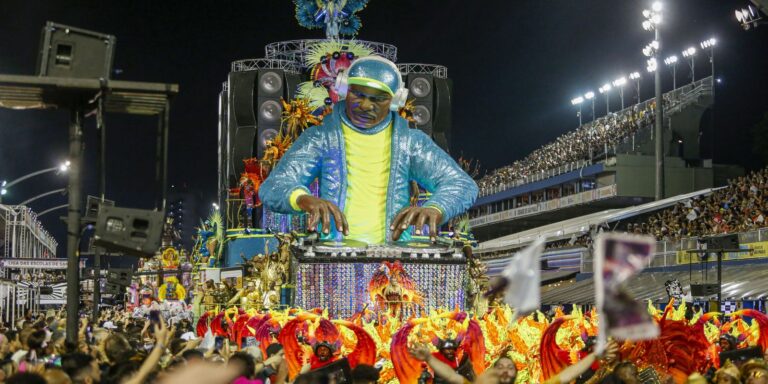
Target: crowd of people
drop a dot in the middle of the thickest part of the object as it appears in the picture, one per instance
(739, 207)
(120, 348)
(583, 143)
(40, 276)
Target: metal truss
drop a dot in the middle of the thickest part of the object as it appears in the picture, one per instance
(439, 71)
(296, 50)
(254, 64)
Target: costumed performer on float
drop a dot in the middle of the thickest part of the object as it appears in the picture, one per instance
(365, 156)
(171, 290)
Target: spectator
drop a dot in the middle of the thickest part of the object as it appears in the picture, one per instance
(365, 374)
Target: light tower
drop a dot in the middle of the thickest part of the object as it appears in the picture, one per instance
(653, 18)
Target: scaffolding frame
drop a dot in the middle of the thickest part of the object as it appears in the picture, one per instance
(438, 71)
(24, 235)
(296, 50)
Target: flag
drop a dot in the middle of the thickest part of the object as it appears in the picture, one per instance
(521, 279)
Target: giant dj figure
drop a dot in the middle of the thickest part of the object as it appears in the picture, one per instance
(365, 156)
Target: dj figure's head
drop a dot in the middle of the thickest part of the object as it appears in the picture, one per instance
(367, 107)
(373, 87)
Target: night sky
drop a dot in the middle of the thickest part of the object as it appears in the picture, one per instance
(515, 67)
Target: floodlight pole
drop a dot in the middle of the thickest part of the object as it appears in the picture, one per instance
(73, 221)
(659, 131)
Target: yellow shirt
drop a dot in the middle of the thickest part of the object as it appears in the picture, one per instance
(368, 161)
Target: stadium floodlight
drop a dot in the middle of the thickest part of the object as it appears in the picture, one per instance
(652, 20)
(652, 48)
(651, 67)
(708, 43)
(591, 96)
(690, 53)
(577, 101)
(605, 90)
(647, 25)
(634, 75)
(619, 83)
(748, 17)
(672, 61)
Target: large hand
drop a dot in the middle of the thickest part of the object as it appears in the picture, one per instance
(417, 216)
(320, 211)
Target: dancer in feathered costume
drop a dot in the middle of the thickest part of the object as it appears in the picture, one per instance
(469, 344)
(321, 343)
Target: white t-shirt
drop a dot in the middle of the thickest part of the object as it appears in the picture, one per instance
(18, 356)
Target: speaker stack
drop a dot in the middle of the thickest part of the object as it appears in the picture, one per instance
(430, 90)
(253, 109)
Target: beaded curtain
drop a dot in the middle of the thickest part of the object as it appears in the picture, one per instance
(342, 288)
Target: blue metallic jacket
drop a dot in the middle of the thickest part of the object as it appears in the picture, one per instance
(320, 153)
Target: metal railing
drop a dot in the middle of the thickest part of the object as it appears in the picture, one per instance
(666, 251)
(538, 176)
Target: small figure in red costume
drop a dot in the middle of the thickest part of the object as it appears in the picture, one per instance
(322, 356)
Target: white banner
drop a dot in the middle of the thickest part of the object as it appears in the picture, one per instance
(34, 263)
(567, 201)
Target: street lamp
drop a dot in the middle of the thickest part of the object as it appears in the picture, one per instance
(40, 196)
(605, 89)
(591, 97)
(619, 83)
(691, 53)
(59, 169)
(672, 61)
(653, 19)
(215, 206)
(636, 77)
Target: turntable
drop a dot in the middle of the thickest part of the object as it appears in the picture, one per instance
(413, 249)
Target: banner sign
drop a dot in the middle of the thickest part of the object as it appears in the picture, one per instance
(34, 263)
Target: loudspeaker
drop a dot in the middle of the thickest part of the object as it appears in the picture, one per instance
(73, 52)
(703, 290)
(729, 242)
(92, 205)
(255, 112)
(119, 276)
(46, 290)
(112, 289)
(432, 106)
(132, 231)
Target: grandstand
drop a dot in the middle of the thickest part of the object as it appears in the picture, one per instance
(605, 164)
(679, 223)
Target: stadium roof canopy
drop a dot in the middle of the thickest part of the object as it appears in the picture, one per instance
(580, 225)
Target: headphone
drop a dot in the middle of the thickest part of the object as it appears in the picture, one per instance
(401, 93)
